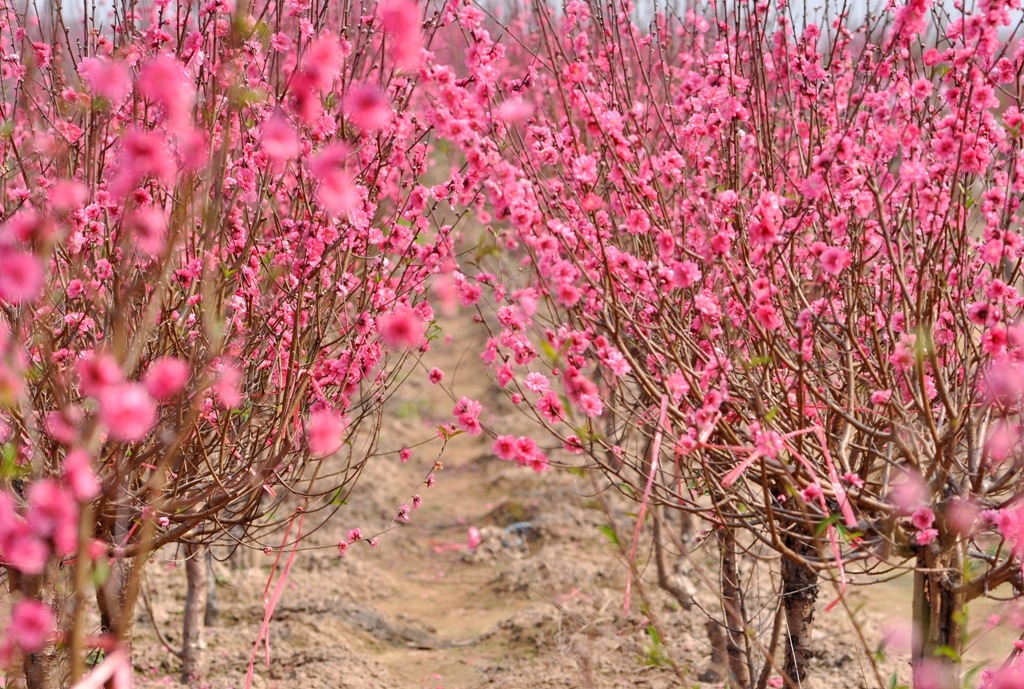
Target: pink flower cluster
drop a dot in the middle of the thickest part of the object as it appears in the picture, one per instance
(522, 450)
(467, 414)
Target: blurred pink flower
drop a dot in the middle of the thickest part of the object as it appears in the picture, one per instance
(106, 78)
(368, 108)
(228, 388)
(127, 411)
(21, 276)
(166, 377)
(31, 625)
(337, 190)
(325, 432)
(79, 476)
(403, 328)
(835, 260)
(401, 20)
(280, 142)
(97, 372)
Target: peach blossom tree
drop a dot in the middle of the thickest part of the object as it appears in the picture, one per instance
(215, 243)
(766, 271)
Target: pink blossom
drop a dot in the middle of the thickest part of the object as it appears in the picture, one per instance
(166, 378)
(228, 386)
(368, 108)
(584, 169)
(435, 376)
(128, 412)
(144, 153)
(590, 404)
(467, 413)
(163, 81)
(853, 479)
(505, 448)
(63, 426)
(281, 42)
(505, 374)
(149, 229)
(473, 538)
(53, 513)
(768, 443)
(323, 61)
(404, 455)
(21, 276)
(835, 260)
(279, 141)
(325, 432)
(97, 372)
(337, 190)
(537, 382)
(922, 518)
(812, 493)
(106, 78)
(908, 491)
(903, 354)
(403, 328)
(31, 625)
(767, 317)
(23, 550)
(67, 195)
(551, 410)
(962, 515)
(881, 396)
(355, 535)
(514, 110)
(401, 20)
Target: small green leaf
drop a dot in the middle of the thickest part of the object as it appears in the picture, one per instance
(609, 533)
(549, 351)
(100, 572)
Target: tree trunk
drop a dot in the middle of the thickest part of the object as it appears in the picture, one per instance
(938, 617)
(42, 669)
(732, 603)
(212, 613)
(799, 594)
(116, 598)
(193, 643)
(666, 579)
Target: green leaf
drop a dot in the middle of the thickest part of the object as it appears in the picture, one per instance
(757, 362)
(336, 498)
(549, 351)
(609, 533)
(100, 572)
(9, 467)
(823, 525)
(448, 434)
